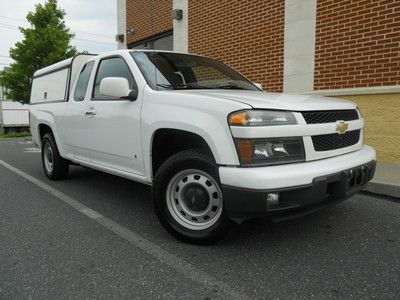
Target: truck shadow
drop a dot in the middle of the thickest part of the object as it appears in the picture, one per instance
(129, 203)
(262, 230)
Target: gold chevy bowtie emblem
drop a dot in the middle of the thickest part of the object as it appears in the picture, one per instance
(341, 127)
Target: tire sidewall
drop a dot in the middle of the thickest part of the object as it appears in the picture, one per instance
(47, 140)
(166, 172)
(60, 165)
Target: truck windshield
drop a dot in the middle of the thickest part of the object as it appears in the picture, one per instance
(164, 70)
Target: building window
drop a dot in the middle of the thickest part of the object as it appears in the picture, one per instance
(162, 41)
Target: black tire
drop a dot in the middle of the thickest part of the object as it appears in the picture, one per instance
(193, 159)
(60, 166)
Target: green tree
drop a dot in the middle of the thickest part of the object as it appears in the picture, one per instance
(45, 42)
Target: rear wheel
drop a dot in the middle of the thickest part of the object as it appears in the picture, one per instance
(188, 198)
(54, 166)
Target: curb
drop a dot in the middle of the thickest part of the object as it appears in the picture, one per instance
(386, 181)
(385, 189)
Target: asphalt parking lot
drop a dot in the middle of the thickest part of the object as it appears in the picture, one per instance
(95, 236)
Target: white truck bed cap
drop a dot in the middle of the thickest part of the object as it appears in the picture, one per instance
(52, 83)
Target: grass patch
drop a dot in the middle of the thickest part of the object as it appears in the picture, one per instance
(11, 135)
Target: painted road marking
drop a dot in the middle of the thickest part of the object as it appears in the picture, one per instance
(173, 261)
(26, 142)
(32, 150)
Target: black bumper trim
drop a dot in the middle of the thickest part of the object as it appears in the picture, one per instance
(241, 203)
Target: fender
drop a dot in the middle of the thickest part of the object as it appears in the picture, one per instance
(202, 116)
(227, 157)
(48, 117)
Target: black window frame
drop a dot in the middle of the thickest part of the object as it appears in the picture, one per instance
(151, 40)
(135, 87)
(87, 85)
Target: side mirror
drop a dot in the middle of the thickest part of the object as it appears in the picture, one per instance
(117, 87)
(259, 85)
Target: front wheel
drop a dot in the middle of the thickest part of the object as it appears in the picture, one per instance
(188, 198)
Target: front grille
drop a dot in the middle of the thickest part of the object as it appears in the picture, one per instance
(329, 116)
(335, 141)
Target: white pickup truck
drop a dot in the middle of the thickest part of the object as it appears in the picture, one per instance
(213, 145)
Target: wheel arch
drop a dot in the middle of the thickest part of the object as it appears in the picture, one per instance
(44, 128)
(166, 142)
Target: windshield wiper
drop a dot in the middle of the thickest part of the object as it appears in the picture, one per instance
(170, 86)
(177, 86)
(229, 86)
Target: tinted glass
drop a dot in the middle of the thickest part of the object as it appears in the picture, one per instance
(112, 67)
(83, 80)
(160, 43)
(165, 70)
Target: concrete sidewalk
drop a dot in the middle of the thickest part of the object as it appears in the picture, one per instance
(386, 180)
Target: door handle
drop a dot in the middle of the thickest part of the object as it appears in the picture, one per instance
(90, 112)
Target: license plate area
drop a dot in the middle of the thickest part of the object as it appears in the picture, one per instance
(357, 177)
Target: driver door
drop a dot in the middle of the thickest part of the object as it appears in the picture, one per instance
(113, 137)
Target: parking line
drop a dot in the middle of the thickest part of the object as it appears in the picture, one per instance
(180, 265)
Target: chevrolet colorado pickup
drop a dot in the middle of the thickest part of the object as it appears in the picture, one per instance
(213, 145)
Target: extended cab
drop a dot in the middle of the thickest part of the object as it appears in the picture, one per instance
(213, 145)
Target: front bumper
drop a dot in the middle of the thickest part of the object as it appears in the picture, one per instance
(330, 181)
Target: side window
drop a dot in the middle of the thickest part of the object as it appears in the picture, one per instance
(83, 80)
(111, 67)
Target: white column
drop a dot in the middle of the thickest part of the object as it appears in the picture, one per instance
(1, 112)
(299, 50)
(121, 22)
(181, 27)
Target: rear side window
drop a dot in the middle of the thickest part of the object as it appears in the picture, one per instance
(112, 67)
(83, 80)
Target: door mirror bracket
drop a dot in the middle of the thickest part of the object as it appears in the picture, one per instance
(132, 96)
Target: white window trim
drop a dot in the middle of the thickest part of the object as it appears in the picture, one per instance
(392, 89)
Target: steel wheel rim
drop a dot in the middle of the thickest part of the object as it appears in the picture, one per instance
(200, 211)
(48, 156)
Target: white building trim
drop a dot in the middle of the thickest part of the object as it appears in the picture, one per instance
(299, 48)
(121, 22)
(181, 27)
(393, 89)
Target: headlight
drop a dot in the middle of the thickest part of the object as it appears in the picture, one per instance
(270, 151)
(261, 118)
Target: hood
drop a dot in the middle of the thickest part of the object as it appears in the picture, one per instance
(265, 100)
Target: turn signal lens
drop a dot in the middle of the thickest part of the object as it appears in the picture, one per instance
(245, 149)
(239, 119)
(262, 118)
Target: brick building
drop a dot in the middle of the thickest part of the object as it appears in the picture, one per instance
(348, 49)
